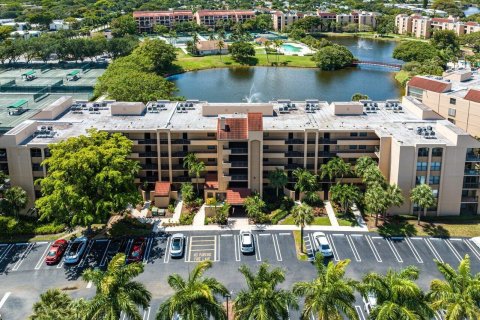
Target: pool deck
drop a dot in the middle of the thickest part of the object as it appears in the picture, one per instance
(304, 50)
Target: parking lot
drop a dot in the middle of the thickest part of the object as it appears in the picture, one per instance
(25, 262)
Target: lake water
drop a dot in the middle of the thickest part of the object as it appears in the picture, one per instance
(471, 10)
(261, 84)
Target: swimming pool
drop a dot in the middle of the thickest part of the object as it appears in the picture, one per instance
(291, 48)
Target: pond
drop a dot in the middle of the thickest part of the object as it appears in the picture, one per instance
(261, 84)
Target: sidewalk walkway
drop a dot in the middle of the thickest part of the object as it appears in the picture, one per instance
(199, 219)
(331, 213)
(242, 226)
(358, 216)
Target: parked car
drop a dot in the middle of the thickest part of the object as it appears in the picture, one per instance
(76, 250)
(177, 245)
(369, 301)
(322, 244)
(56, 251)
(137, 250)
(247, 242)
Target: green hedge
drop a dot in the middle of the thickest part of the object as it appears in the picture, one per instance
(278, 215)
(10, 226)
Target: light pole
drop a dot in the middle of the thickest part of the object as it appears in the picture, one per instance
(227, 296)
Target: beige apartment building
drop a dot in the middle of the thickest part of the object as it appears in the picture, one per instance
(240, 143)
(455, 96)
(282, 21)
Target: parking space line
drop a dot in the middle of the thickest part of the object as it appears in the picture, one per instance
(284, 234)
(312, 243)
(215, 248)
(374, 249)
(189, 249)
(43, 257)
(5, 253)
(276, 246)
(258, 256)
(360, 312)
(414, 250)
(201, 250)
(235, 246)
(472, 248)
(146, 313)
(86, 253)
(166, 258)
(5, 297)
(394, 250)
(227, 235)
(354, 249)
(452, 248)
(432, 248)
(23, 256)
(219, 246)
(335, 253)
(104, 257)
(147, 251)
(60, 265)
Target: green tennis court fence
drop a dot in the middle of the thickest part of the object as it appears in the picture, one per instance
(86, 67)
(41, 94)
(7, 84)
(45, 68)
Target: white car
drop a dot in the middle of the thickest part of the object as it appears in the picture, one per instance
(322, 244)
(370, 302)
(177, 245)
(247, 242)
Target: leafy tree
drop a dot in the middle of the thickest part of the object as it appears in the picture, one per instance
(305, 180)
(119, 47)
(186, 190)
(385, 24)
(123, 25)
(373, 176)
(359, 96)
(57, 305)
(449, 6)
(333, 57)
(15, 199)
(221, 214)
(242, 52)
(344, 195)
(398, 296)
(335, 168)
(458, 294)
(116, 292)
(422, 195)
(262, 299)
(278, 179)
(89, 177)
(330, 295)
(302, 216)
(194, 298)
(160, 29)
(446, 41)
(362, 164)
(196, 169)
(255, 206)
(471, 40)
(415, 51)
(157, 53)
(5, 32)
(41, 17)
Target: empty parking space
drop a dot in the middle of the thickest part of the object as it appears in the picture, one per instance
(345, 247)
(14, 256)
(157, 250)
(270, 251)
(366, 250)
(444, 250)
(201, 248)
(228, 247)
(33, 256)
(286, 245)
(406, 249)
(463, 247)
(309, 246)
(386, 250)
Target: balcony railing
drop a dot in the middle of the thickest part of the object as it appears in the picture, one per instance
(238, 150)
(148, 154)
(326, 154)
(149, 166)
(473, 157)
(239, 177)
(147, 141)
(294, 154)
(294, 141)
(471, 185)
(239, 164)
(470, 199)
(472, 172)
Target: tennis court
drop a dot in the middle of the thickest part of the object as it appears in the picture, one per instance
(45, 76)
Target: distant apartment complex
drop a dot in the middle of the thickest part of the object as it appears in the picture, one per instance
(240, 143)
(146, 20)
(423, 27)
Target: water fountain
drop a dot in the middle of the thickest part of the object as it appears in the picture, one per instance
(252, 95)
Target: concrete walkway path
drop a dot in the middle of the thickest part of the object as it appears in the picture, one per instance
(358, 216)
(178, 211)
(199, 219)
(331, 213)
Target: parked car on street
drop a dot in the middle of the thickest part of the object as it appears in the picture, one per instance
(247, 242)
(76, 250)
(137, 250)
(322, 244)
(56, 251)
(177, 245)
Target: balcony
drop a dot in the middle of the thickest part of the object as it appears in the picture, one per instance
(226, 164)
(239, 177)
(471, 185)
(473, 199)
(239, 164)
(294, 154)
(147, 154)
(377, 151)
(147, 141)
(326, 154)
(471, 157)
(179, 154)
(149, 166)
(238, 150)
(174, 167)
(181, 179)
(180, 141)
(472, 172)
(294, 141)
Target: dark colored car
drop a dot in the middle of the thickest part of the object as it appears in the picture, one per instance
(56, 251)
(77, 248)
(137, 250)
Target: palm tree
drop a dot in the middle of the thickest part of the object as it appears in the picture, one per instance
(116, 292)
(262, 299)
(220, 45)
(278, 179)
(196, 169)
(302, 216)
(277, 43)
(194, 297)
(335, 168)
(362, 164)
(306, 181)
(398, 296)
(458, 294)
(15, 199)
(344, 194)
(423, 196)
(330, 295)
(267, 45)
(189, 160)
(57, 305)
(254, 206)
(376, 200)
(373, 175)
(394, 197)
(195, 40)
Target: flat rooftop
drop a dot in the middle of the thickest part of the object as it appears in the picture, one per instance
(379, 117)
(50, 77)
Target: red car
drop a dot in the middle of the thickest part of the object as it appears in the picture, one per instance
(137, 250)
(56, 251)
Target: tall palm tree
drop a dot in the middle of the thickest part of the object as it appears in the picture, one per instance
(306, 181)
(196, 169)
(394, 197)
(220, 45)
(362, 164)
(189, 160)
(458, 294)
(278, 179)
(302, 215)
(116, 292)
(262, 300)
(254, 206)
(330, 295)
(335, 168)
(372, 175)
(57, 305)
(344, 194)
(398, 296)
(277, 43)
(375, 200)
(267, 45)
(15, 199)
(423, 196)
(194, 297)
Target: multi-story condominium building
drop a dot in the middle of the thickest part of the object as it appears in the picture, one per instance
(361, 18)
(209, 18)
(455, 96)
(146, 20)
(423, 27)
(282, 21)
(240, 143)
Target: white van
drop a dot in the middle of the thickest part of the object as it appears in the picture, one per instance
(322, 244)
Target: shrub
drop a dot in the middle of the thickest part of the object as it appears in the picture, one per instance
(171, 208)
(25, 226)
(130, 226)
(278, 215)
(186, 218)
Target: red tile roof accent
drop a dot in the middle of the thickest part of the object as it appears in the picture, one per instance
(471, 23)
(428, 84)
(326, 14)
(137, 14)
(236, 196)
(473, 95)
(162, 189)
(202, 13)
(255, 121)
(211, 181)
(235, 129)
(441, 20)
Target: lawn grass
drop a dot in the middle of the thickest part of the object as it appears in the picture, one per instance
(318, 221)
(300, 256)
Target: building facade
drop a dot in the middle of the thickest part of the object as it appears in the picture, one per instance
(240, 143)
(146, 20)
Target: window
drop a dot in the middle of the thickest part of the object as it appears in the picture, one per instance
(35, 152)
(362, 147)
(435, 166)
(211, 147)
(47, 152)
(210, 134)
(266, 134)
(352, 147)
(422, 166)
(36, 167)
(453, 101)
(435, 193)
(452, 112)
(265, 147)
(353, 134)
(423, 152)
(420, 180)
(363, 134)
(437, 152)
(434, 180)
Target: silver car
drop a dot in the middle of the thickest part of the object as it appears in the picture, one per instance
(247, 242)
(177, 245)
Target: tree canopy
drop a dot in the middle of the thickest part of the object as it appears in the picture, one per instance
(415, 51)
(333, 57)
(242, 52)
